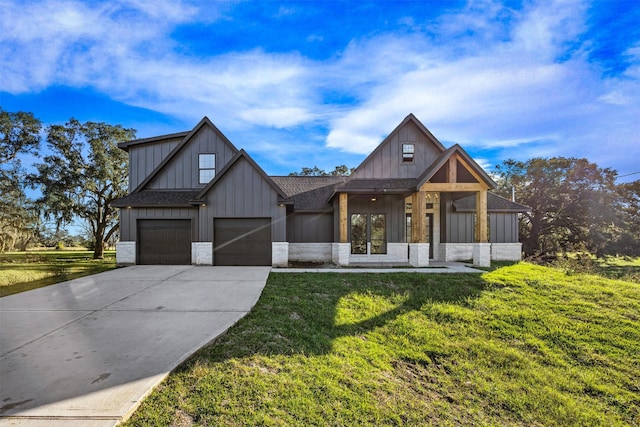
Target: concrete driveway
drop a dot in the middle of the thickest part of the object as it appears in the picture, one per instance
(86, 351)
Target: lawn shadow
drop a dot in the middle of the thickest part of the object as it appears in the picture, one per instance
(298, 313)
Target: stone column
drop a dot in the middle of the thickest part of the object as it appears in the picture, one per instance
(419, 254)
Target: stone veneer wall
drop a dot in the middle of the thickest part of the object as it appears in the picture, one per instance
(202, 253)
(506, 251)
(125, 253)
(396, 252)
(310, 252)
(279, 254)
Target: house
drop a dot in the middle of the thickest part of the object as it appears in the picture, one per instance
(196, 199)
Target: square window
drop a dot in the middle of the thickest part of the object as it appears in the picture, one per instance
(408, 150)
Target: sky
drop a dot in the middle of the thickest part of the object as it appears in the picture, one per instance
(322, 83)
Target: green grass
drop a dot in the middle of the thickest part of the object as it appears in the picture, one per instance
(521, 345)
(23, 271)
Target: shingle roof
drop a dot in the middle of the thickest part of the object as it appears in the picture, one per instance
(151, 198)
(495, 203)
(309, 193)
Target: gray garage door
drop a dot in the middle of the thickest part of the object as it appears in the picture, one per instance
(242, 241)
(164, 241)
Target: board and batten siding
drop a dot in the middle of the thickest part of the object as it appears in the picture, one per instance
(182, 171)
(392, 206)
(143, 159)
(310, 227)
(386, 162)
(242, 193)
(128, 218)
(460, 226)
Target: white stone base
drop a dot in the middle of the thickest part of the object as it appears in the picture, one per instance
(310, 252)
(279, 254)
(456, 251)
(482, 254)
(396, 253)
(506, 251)
(419, 254)
(202, 253)
(125, 253)
(340, 253)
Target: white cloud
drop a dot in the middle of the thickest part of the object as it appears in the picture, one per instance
(486, 76)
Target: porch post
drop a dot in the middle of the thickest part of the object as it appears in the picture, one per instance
(340, 251)
(418, 217)
(343, 218)
(482, 247)
(418, 248)
(481, 217)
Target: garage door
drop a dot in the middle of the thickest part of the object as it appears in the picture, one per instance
(242, 241)
(164, 241)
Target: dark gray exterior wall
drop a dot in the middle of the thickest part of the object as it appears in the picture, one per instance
(387, 161)
(303, 227)
(242, 193)
(143, 159)
(392, 206)
(459, 227)
(503, 227)
(182, 171)
(128, 219)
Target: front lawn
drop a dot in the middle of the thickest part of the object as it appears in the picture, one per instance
(23, 271)
(521, 345)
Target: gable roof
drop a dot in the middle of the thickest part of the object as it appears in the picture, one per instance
(156, 199)
(204, 122)
(410, 118)
(309, 193)
(125, 145)
(495, 203)
(230, 164)
(443, 158)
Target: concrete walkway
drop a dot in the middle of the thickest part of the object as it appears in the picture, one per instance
(87, 351)
(434, 267)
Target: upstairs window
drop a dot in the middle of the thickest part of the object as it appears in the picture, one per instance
(408, 151)
(207, 167)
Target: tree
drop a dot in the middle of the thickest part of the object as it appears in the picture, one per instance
(341, 170)
(19, 222)
(84, 174)
(573, 203)
(628, 241)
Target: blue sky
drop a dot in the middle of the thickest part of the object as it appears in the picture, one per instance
(322, 83)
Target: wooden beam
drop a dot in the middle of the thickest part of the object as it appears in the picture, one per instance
(344, 237)
(481, 217)
(453, 187)
(418, 217)
(453, 170)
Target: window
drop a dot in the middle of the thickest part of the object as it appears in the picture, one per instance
(408, 151)
(359, 234)
(368, 228)
(207, 167)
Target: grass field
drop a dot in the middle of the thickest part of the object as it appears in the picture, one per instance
(521, 345)
(23, 271)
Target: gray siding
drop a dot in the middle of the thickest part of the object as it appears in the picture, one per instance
(143, 159)
(503, 227)
(386, 162)
(128, 219)
(182, 170)
(459, 227)
(242, 193)
(392, 206)
(310, 227)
